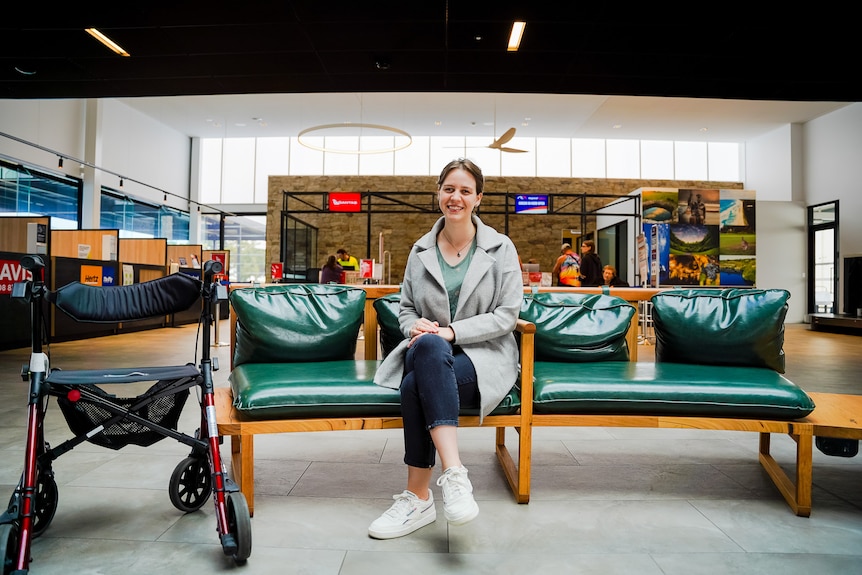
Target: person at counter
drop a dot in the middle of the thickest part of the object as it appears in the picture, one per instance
(347, 261)
(611, 279)
(331, 271)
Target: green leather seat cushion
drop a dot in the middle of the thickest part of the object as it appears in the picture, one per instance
(318, 389)
(323, 389)
(387, 308)
(743, 327)
(647, 388)
(578, 327)
(297, 323)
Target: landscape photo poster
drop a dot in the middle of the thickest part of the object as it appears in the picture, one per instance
(704, 237)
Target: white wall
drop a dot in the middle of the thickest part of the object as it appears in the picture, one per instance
(53, 124)
(782, 252)
(139, 147)
(833, 169)
(133, 144)
(768, 166)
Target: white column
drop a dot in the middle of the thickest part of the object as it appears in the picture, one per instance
(91, 202)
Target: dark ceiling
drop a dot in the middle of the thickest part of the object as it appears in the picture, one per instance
(195, 48)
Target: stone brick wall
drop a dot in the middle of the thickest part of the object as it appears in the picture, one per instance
(535, 236)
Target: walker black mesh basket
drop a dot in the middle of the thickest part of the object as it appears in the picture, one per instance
(157, 405)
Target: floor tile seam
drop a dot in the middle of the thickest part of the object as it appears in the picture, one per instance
(700, 512)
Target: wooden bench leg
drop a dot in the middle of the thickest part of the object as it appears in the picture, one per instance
(518, 478)
(804, 473)
(797, 495)
(242, 463)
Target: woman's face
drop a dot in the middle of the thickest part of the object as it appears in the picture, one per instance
(457, 195)
(608, 275)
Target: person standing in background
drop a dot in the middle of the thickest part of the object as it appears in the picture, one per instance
(567, 268)
(591, 265)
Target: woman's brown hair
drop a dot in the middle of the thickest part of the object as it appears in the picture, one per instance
(468, 166)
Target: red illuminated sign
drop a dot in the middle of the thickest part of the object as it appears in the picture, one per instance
(345, 202)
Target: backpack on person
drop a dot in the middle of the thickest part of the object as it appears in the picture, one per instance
(570, 271)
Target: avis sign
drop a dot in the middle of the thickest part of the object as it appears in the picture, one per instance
(10, 273)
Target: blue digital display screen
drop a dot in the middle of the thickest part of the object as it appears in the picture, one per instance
(531, 204)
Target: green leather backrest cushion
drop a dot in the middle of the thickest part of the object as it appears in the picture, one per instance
(742, 327)
(387, 308)
(297, 323)
(577, 327)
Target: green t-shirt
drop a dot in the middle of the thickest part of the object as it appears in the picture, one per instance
(453, 276)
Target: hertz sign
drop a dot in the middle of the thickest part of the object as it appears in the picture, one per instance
(345, 202)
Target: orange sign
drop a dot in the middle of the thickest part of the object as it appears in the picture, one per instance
(91, 275)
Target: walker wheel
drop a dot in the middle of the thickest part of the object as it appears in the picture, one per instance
(239, 523)
(44, 503)
(47, 496)
(191, 484)
(8, 547)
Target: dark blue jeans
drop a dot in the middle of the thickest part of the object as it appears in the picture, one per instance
(439, 379)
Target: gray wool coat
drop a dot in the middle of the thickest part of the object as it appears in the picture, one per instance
(487, 310)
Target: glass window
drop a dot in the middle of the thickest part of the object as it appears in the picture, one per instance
(25, 192)
(824, 270)
(588, 158)
(210, 172)
(238, 171)
(623, 158)
(273, 159)
(378, 163)
(303, 160)
(338, 164)
(553, 157)
(519, 164)
(690, 161)
(245, 239)
(413, 160)
(656, 160)
(137, 219)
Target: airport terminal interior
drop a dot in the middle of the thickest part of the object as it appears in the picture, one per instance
(604, 500)
(608, 500)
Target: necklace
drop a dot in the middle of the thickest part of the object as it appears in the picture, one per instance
(458, 251)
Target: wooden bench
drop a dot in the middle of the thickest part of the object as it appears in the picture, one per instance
(794, 487)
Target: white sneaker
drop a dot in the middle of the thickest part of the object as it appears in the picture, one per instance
(458, 503)
(406, 515)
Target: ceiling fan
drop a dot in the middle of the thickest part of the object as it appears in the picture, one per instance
(498, 143)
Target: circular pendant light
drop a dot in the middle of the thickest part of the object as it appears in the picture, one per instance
(351, 125)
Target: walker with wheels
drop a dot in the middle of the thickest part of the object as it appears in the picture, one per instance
(103, 419)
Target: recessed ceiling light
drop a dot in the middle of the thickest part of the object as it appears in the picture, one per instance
(437, 122)
(617, 126)
(704, 129)
(113, 46)
(515, 36)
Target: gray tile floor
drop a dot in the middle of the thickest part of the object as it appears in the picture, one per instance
(604, 501)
